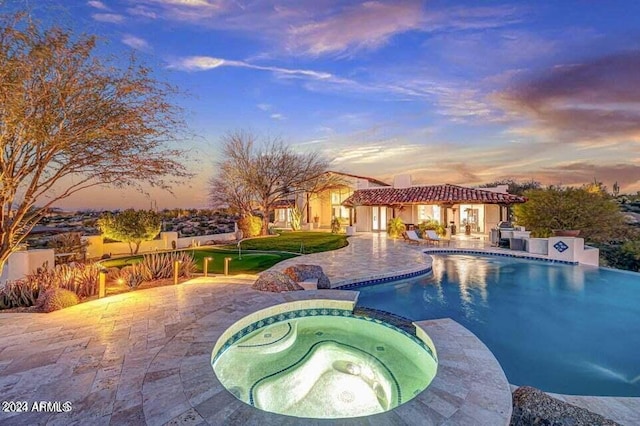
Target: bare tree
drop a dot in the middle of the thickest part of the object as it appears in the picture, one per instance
(264, 174)
(70, 120)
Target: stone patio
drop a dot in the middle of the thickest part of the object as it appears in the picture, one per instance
(144, 357)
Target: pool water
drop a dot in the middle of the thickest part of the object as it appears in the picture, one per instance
(561, 328)
(326, 367)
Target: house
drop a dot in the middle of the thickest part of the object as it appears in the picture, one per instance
(474, 210)
(319, 209)
(369, 203)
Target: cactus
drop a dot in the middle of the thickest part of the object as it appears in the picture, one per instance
(58, 298)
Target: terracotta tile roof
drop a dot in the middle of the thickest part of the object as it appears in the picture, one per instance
(283, 204)
(432, 194)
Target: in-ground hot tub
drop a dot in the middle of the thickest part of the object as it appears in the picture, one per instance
(322, 362)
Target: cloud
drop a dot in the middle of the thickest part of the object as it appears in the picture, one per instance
(203, 63)
(98, 5)
(581, 172)
(135, 42)
(263, 107)
(327, 27)
(361, 26)
(142, 12)
(278, 116)
(598, 99)
(113, 18)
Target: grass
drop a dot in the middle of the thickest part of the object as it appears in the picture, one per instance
(251, 263)
(263, 254)
(297, 242)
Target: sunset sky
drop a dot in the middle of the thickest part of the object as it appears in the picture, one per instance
(450, 92)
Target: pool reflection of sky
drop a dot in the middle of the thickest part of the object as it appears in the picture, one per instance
(562, 328)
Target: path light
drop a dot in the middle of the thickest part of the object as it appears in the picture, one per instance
(226, 265)
(206, 265)
(102, 290)
(176, 271)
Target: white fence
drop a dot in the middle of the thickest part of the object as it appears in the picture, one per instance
(97, 248)
(22, 263)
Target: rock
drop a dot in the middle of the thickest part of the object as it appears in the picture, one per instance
(324, 282)
(301, 272)
(532, 406)
(275, 282)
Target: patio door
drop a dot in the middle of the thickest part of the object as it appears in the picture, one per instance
(379, 218)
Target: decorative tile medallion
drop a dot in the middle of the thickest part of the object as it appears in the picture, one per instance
(560, 246)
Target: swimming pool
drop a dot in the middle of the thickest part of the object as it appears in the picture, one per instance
(562, 328)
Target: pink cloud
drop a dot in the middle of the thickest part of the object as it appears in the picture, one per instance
(595, 100)
(366, 25)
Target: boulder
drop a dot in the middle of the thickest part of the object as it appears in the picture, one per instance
(300, 272)
(324, 282)
(275, 282)
(532, 406)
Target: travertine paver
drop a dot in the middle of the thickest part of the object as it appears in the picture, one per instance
(367, 256)
(144, 357)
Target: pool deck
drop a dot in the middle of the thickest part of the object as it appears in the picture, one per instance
(144, 357)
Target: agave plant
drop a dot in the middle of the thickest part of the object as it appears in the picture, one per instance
(158, 266)
(16, 294)
(133, 275)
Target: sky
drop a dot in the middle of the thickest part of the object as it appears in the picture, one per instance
(447, 91)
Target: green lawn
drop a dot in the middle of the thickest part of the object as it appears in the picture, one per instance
(257, 254)
(251, 263)
(297, 242)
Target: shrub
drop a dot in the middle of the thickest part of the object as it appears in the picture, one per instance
(588, 209)
(395, 227)
(57, 298)
(251, 226)
(432, 224)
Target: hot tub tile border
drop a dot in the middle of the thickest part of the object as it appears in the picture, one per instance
(301, 313)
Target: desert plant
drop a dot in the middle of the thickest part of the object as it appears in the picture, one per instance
(57, 298)
(80, 278)
(17, 294)
(432, 225)
(69, 244)
(113, 274)
(25, 292)
(250, 226)
(133, 275)
(157, 266)
(335, 225)
(396, 227)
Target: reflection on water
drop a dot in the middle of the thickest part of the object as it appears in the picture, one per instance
(563, 328)
(470, 276)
